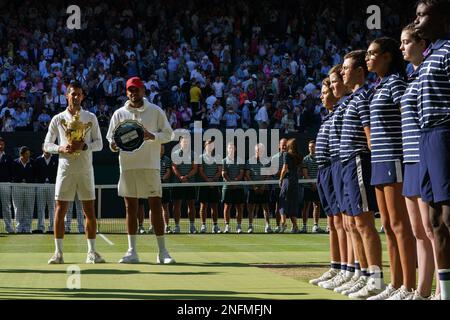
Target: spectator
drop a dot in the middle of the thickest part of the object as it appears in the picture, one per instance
(215, 115)
(231, 118)
(44, 120)
(262, 117)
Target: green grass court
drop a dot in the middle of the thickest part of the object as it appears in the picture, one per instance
(211, 266)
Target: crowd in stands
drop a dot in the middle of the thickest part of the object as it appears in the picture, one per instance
(229, 64)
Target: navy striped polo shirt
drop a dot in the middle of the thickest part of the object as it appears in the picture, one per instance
(209, 165)
(410, 120)
(336, 127)
(356, 118)
(433, 100)
(386, 120)
(166, 164)
(185, 168)
(232, 167)
(323, 154)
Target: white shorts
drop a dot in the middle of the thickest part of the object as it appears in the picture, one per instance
(140, 183)
(69, 185)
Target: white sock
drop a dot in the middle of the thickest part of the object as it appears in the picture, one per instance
(132, 242)
(58, 245)
(350, 271)
(161, 243)
(444, 283)
(91, 245)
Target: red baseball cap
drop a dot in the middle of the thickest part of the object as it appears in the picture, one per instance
(135, 82)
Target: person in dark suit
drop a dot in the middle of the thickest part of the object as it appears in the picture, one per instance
(5, 187)
(46, 167)
(23, 196)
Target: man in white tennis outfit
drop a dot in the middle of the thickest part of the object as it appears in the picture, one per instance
(140, 170)
(75, 171)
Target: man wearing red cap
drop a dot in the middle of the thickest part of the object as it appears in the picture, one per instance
(140, 170)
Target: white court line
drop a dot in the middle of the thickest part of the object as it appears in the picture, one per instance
(106, 239)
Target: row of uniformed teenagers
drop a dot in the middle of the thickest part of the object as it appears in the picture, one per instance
(388, 147)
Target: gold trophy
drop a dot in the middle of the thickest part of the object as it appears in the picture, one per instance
(75, 130)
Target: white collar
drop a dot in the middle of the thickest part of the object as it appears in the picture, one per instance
(137, 110)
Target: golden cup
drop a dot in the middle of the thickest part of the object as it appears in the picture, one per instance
(75, 130)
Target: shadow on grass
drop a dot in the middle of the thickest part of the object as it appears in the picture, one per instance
(55, 293)
(104, 272)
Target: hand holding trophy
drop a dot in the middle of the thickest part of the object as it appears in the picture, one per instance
(75, 132)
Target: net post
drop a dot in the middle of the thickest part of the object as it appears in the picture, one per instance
(99, 207)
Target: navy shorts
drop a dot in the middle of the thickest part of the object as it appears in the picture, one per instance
(388, 172)
(411, 183)
(310, 195)
(233, 196)
(338, 185)
(184, 193)
(434, 148)
(209, 194)
(258, 197)
(326, 191)
(359, 192)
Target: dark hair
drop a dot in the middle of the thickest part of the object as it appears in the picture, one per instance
(391, 46)
(293, 151)
(337, 70)
(2, 140)
(438, 6)
(359, 60)
(23, 150)
(312, 141)
(75, 84)
(411, 29)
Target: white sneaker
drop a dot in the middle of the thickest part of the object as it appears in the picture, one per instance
(203, 228)
(359, 284)
(402, 294)
(435, 297)
(335, 282)
(192, 229)
(320, 284)
(167, 229)
(370, 289)
(216, 229)
(325, 277)
(94, 257)
(277, 229)
(177, 229)
(250, 229)
(304, 229)
(150, 230)
(347, 285)
(227, 229)
(283, 229)
(388, 292)
(268, 229)
(317, 229)
(381, 229)
(57, 258)
(417, 296)
(130, 256)
(141, 230)
(164, 258)
(238, 229)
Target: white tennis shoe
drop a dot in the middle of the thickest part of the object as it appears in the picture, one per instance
(57, 258)
(130, 256)
(164, 258)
